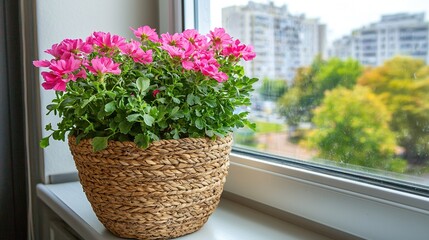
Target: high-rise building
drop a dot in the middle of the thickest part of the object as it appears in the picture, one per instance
(397, 34)
(283, 42)
(313, 40)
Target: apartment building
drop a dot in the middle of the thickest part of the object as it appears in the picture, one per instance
(396, 34)
(283, 42)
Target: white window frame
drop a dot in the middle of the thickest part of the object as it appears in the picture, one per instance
(350, 206)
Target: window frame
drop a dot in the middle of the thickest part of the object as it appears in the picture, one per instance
(345, 196)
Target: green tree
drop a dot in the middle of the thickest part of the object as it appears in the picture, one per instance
(310, 84)
(403, 85)
(336, 73)
(272, 89)
(297, 103)
(352, 126)
(399, 67)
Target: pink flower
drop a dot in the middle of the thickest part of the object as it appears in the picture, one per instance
(239, 50)
(65, 66)
(196, 39)
(220, 77)
(155, 92)
(62, 71)
(69, 47)
(41, 63)
(134, 50)
(208, 66)
(56, 50)
(209, 70)
(205, 58)
(172, 40)
(106, 42)
(188, 50)
(53, 81)
(173, 51)
(248, 53)
(103, 65)
(76, 47)
(146, 33)
(188, 65)
(219, 38)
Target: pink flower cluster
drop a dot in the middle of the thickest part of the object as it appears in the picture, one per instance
(75, 58)
(71, 58)
(199, 52)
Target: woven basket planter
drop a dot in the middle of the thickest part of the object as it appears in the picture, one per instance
(165, 191)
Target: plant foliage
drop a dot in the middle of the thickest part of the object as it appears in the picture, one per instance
(167, 87)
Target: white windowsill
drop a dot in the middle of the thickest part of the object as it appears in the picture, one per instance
(347, 206)
(230, 221)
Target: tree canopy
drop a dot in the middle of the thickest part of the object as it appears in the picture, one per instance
(310, 84)
(403, 86)
(394, 107)
(352, 126)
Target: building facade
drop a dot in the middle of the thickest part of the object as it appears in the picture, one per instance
(283, 42)
(397, 34)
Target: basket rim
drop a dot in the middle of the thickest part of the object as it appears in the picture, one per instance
(72, 139)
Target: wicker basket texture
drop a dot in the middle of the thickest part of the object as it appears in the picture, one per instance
(165, 191)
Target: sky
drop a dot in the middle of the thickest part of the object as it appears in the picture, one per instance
(341, 16)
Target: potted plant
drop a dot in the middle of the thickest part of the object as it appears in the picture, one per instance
(148, 123)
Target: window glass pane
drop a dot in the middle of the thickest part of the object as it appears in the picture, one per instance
(342, 83)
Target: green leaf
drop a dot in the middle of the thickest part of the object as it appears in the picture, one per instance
(199, 123)
(79, 137)
(99, 143)
(56, 135)
(202, 89)
(176, 100)
(251, 125)
(110, 107)
(51, 107)
(176, 134)
(219, 134)
(209, 133)
(121, 103)
(111, 94)
(197, 100)
(211, 102)
(113, 125)
(69, 101)
(162, 124)
(142, 140)
(148, 119)
(174, 111)
(48, 127)
(190, 99)
(133, 117)
(101, 114)
(88, 101)
(125, 127)
(161, 100)
(153, 136)
(143, 84)
(44, 142)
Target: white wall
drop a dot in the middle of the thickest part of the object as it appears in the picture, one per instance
(60, 19)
